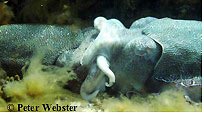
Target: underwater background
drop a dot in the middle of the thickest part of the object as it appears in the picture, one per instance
(56, 86)
(83, 12)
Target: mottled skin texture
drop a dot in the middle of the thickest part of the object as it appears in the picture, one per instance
(181, 48)
(181, 57)
(151, 51)
(19, 43)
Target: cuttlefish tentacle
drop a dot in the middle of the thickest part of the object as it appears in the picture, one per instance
(89, 97)
(99, 23)
(107, 37)
(103, 65)
(94, 83)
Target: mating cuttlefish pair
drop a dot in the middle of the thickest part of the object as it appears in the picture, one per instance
(149, 55)
(144, 58)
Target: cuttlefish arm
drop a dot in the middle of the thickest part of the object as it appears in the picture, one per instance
(106, 38)
(103, 64)
(93, 84)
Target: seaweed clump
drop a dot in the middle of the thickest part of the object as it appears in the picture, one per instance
(44, 85)
(40, 84)
(168, 101)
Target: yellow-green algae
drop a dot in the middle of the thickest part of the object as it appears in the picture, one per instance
(45, 87)
(39, 87)
(168, 101)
